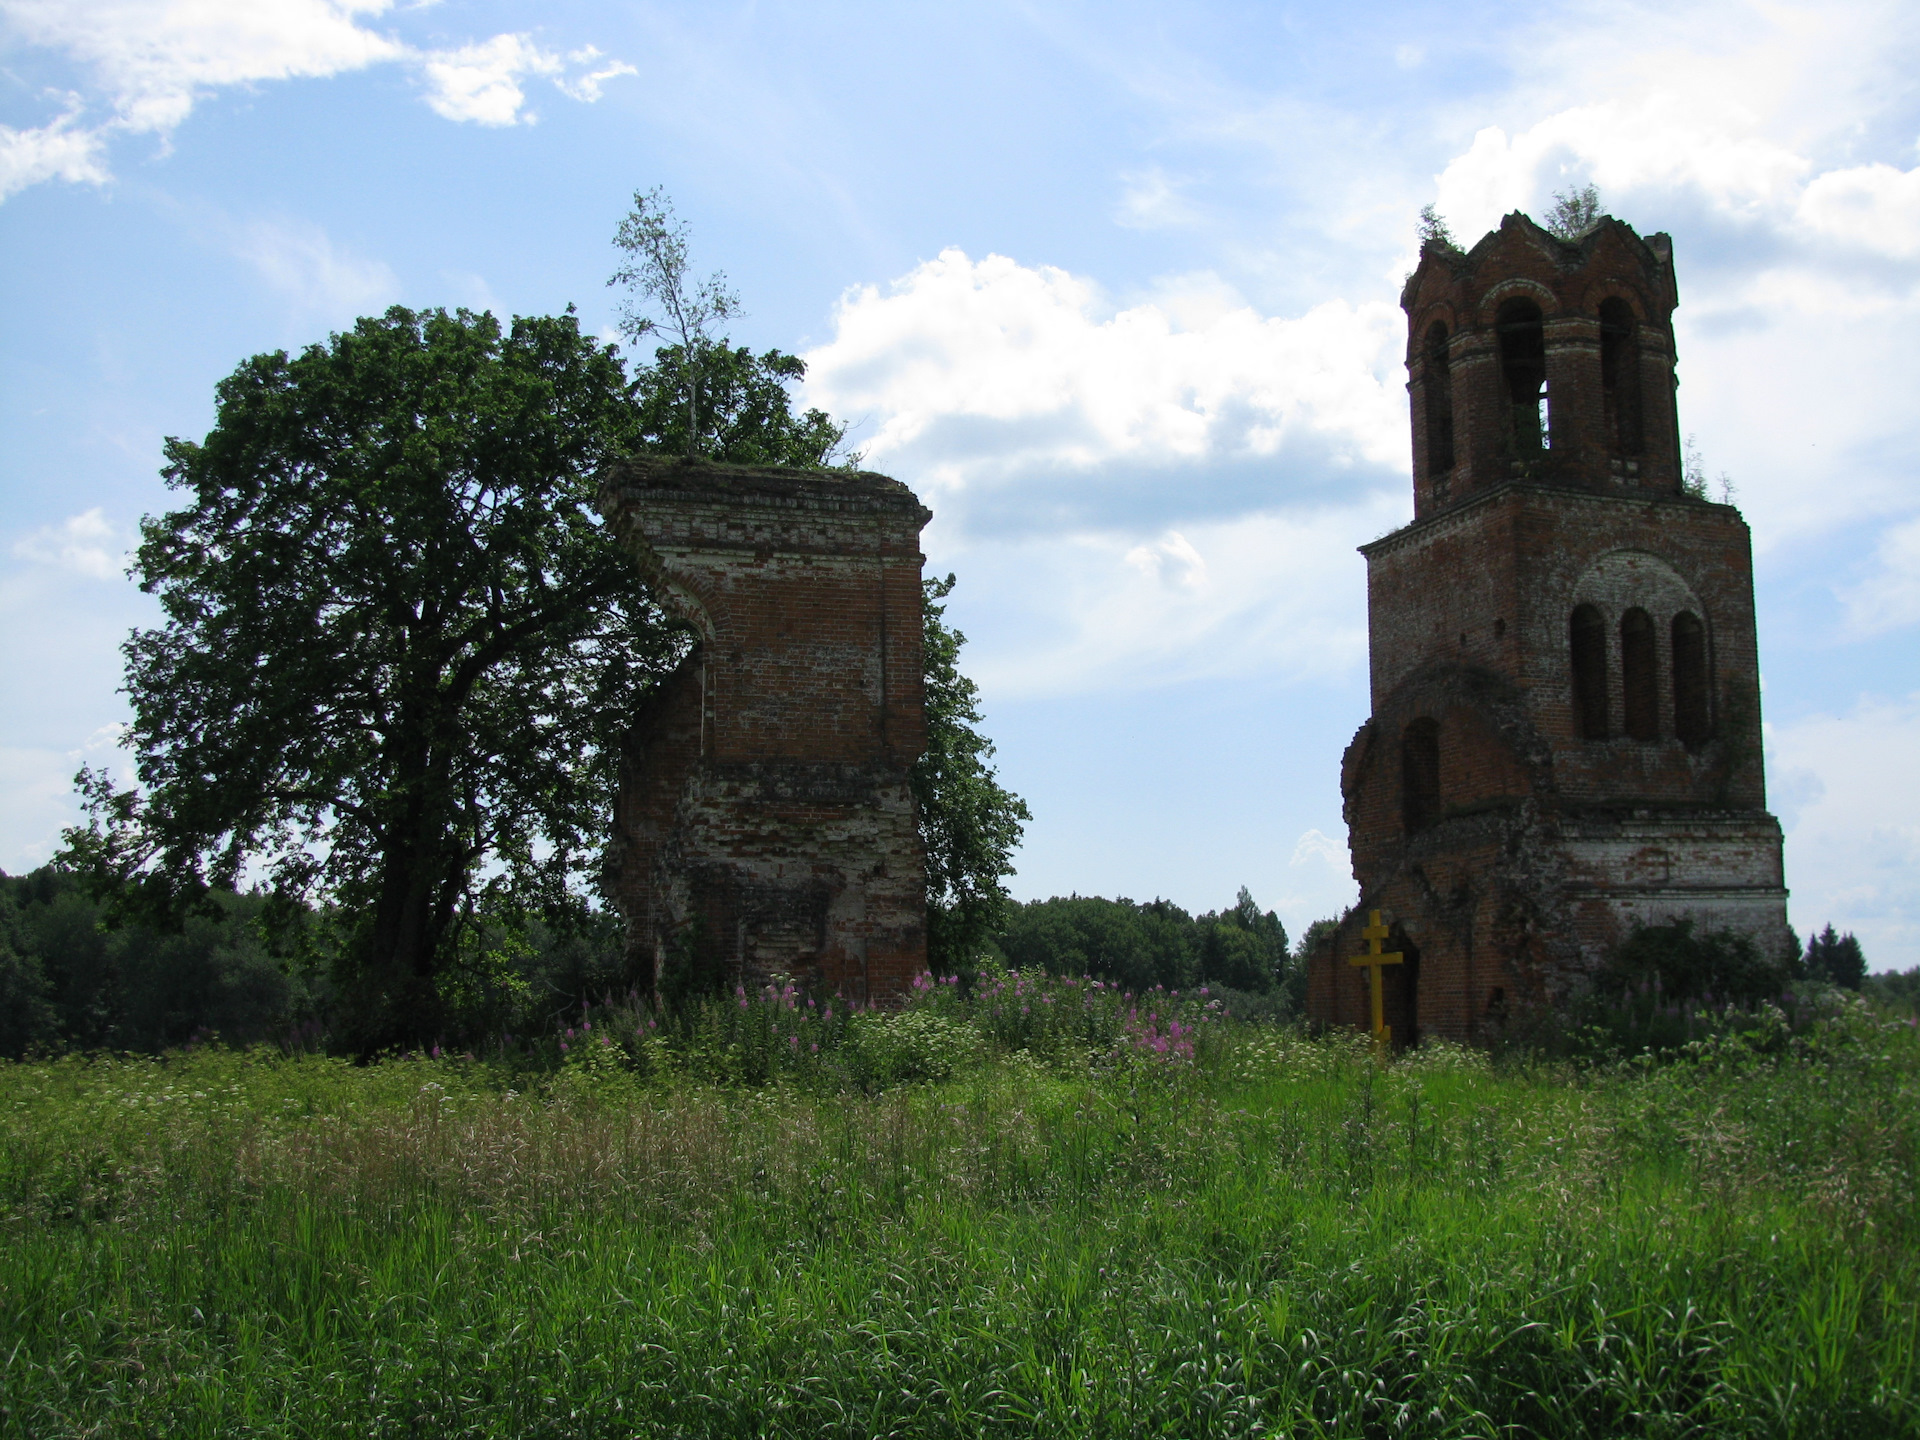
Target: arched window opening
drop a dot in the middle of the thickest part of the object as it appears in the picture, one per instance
(1692, 711)
(1589, 637)
(1439, 390)
(1620, 376)
(1523, 362)
(1420, 775)
(1639, 674)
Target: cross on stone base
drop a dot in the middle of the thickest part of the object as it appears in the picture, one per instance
(1375, 933)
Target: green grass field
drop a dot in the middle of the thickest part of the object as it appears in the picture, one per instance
(1253, 1234)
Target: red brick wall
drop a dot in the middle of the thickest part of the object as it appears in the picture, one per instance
(765, 821)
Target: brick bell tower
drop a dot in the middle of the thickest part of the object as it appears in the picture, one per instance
(1565, 738)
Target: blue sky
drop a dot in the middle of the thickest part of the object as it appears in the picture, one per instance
(1113, 287)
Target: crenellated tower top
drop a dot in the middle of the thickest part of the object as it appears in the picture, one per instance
(1534, 358)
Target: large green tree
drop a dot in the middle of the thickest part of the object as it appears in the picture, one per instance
(396, 642)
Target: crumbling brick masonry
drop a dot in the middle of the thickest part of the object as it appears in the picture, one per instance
(1565, 736)
(765, 825)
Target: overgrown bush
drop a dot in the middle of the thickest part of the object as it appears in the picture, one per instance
(1666, 986)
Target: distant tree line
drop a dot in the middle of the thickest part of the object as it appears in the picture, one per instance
(1139, 945)
(78, 973)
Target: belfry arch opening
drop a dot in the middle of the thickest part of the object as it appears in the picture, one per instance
(1640, 674)
(1587, 637)
(1523, 366)
(1692, 707)
(1420, 775)
(1620, 377)
(1439, 402)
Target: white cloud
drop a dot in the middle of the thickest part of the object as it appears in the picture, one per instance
(1027, 363)
(1318, 845)
(1736, 105)
(62, 149)
(154, 58)
(1853, 848)
(85, 544)
(149, 62)
(1660, 139)
(302, 262)
(1875, 207)
(481, 82)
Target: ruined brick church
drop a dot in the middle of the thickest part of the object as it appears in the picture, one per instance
(1565, 738)
(765, 826)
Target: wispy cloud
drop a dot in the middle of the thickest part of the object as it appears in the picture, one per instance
(587, 88)
(1853, 848)
(85, 544)
(1151, 200)
(1889, 598)
(303, 263)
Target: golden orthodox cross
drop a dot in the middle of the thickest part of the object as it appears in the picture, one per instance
(1375, 933)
